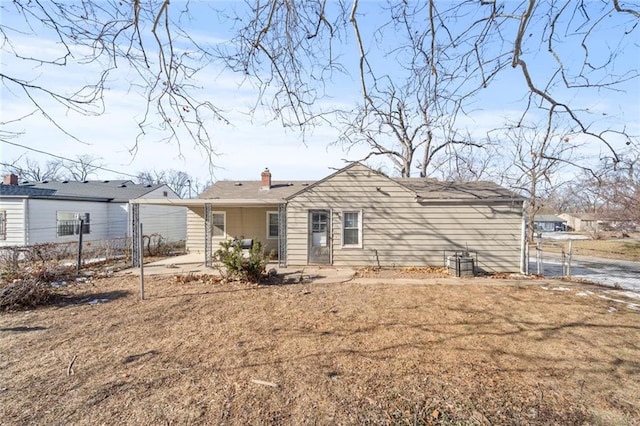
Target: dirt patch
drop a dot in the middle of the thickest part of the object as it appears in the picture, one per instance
(411, 272)
(478, 351)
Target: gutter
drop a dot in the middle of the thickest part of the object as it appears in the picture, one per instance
(59, 197)
(468, 200)
(195, 202)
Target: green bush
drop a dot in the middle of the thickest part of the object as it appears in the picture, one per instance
(238, 265)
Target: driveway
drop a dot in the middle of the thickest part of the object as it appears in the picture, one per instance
(609, 272)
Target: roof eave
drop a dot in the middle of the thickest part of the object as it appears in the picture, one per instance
(195, 202)
(468, 200)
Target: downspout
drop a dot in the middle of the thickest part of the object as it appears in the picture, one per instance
(524, 255)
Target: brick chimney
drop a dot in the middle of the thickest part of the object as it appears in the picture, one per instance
(266, 179)
(10, 179)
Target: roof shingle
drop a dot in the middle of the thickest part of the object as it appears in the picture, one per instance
(116, 190)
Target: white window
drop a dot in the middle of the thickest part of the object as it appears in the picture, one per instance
(272, 225)
(352, 229)
(68, 223)
(3, 225)
(218, 224)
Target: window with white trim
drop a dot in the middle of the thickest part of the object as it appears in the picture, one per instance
(218, 224)
(3, 225)
(272, 225)
(68, 223)
(352, 229)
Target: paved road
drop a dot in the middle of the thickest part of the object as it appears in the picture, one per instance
(609, 272)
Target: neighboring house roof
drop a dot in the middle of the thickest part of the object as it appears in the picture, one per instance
(252, 190)
(114, 190)
(547, 218)
(25, 191)
(423, 188)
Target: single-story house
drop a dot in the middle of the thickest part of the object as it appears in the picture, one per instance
(549, 223)
(50, 212)
(581, 222)
(358, 217)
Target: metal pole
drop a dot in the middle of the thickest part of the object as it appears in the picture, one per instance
(141, 263)
(541, 258)
(569, 261)
(136, 242)
(80, 247)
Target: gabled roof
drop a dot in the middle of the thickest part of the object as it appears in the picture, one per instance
(426, 189)
(432, 189)
(114, 190)
(252, 190)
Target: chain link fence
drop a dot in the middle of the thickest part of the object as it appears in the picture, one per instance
(116, 252)
(550, 260)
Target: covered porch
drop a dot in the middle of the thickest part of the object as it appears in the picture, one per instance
(211, 221)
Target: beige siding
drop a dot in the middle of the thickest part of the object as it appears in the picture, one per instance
(195, 229)
(245, 222)
(399, 231)
(241, 222)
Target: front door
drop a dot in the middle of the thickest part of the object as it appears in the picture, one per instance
(319, 237)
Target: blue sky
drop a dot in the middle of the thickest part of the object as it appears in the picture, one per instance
(251, 143)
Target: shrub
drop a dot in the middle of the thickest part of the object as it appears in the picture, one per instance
(238, 264)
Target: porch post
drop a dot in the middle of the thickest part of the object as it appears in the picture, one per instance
(135, 235)
(282, 235)
(208, 251)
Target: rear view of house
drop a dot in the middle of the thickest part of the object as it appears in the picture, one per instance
(360, 217)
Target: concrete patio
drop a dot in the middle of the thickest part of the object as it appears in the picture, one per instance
(193, 263)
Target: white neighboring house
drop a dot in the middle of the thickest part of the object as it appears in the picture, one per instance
(50, 212)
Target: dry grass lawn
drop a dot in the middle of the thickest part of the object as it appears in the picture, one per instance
(445, 351)
(614, 248)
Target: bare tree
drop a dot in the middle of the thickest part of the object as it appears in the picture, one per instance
(456, 49)
(31, 170)
(468, 163)
(299, 53)
(620, 188)
(82, 168)
(148, 38)
(534, 157)
(612, 191)
(180, 182)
